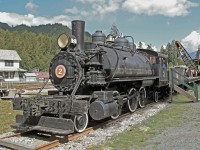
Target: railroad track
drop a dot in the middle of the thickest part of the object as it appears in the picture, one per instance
(55, 141)
(75, 136)
(17, 146)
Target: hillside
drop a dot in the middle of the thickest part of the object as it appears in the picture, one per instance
(48, 29)
(36, 45)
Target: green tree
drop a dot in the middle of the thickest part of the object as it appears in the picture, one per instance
(163, 50)
(173, 54)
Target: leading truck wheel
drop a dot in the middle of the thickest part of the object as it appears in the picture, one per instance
(115, 116)
(142, 97)
(80, 122)
(132, 102)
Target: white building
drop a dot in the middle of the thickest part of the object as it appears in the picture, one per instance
(30, 77)
(9, 65)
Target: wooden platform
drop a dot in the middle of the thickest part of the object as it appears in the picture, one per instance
(185, 93)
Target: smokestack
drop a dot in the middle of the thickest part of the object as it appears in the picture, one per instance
(78, 30)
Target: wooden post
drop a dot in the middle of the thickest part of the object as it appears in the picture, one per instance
(196, 91)
(172, 85)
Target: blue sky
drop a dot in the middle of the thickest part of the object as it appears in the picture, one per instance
(154, 22)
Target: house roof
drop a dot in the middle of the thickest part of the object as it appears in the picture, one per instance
(44, 75)
(30, 74)
(12, 69)
(9, 55)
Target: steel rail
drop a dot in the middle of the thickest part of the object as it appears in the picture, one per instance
(72, 137)
(48, 146)
(17, 146)
(75, 136)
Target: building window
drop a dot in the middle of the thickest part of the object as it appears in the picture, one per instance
(9, 63)
(12, 74)
(6, 75)
(152, 59)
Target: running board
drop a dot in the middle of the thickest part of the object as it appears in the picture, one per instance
(184, 93)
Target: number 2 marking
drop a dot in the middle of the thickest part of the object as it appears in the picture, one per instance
(60, 71)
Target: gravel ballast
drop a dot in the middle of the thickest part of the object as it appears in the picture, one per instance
(100, 135)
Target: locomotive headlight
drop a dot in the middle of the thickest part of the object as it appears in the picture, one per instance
(65, 41)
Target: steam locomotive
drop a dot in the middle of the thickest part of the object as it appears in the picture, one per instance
(93, 80)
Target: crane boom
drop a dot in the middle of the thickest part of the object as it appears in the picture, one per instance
(186, 57)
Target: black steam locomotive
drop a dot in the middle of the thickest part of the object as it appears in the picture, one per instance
(94, 80)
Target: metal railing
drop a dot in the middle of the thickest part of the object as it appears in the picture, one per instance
(192, 86)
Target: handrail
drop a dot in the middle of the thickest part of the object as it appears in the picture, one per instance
(180, 74)
(194, 88)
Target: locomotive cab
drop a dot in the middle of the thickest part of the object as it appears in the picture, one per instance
(163, 69)
(159, 65)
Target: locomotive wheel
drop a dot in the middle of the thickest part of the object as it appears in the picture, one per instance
(115, 116)
(166, 92)
(80, 122)
(142, 97)
(155, 94)
(132, 102)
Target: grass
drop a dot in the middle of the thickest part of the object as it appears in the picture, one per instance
(32, 94)
(137, 136)
(7, 116)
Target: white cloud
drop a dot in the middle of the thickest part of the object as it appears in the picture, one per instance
(154, 48)
(144, 45)
(192, 41)
(77, 13)
(108, 7)
(31, 6)
(170, 8)
(90, 1)
(95, 8)
(164, 46)
(30, 20)
(72, 10)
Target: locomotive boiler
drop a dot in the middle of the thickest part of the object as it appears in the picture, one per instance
(94, 80)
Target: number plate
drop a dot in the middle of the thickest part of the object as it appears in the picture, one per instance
(60, 71)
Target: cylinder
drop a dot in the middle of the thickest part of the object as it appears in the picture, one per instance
(98, 110)
(78, 30)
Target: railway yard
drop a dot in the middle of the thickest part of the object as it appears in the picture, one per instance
(140, 130)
